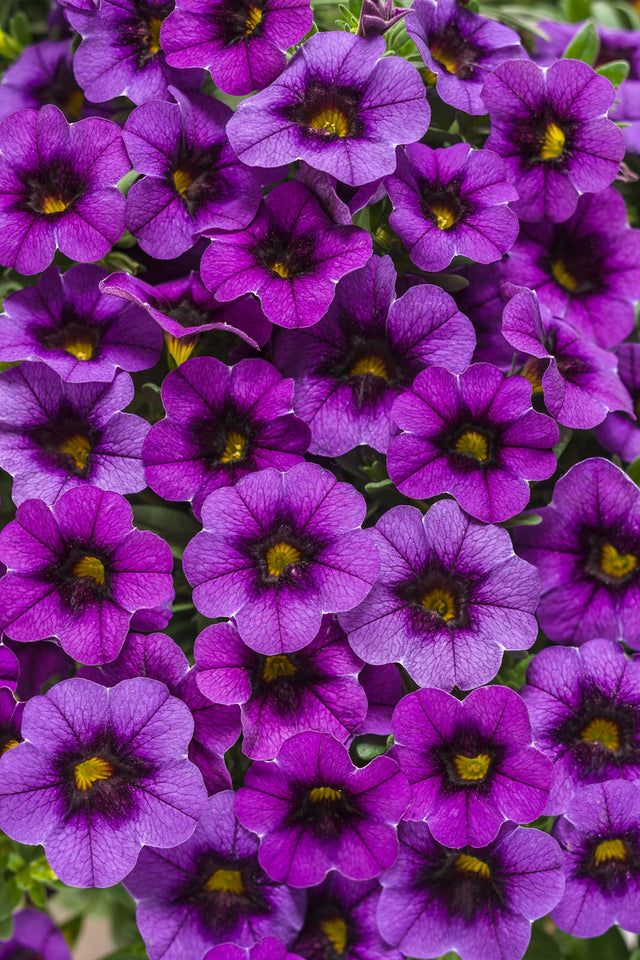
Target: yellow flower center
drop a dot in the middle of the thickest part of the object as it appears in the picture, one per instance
(472, 768)
(234, 450)
(614, 564)
(88, 772)
(154, 35)
(552, 143)
(330, 120)
(322, 794)
(73, 105)
(280, 556)
(281, 269)
(468, 864)
(182, 180)
(225, 881)
(445, 216)
(445, 59)
(602, 731)
(9, 745)
(441, 602)
(610, 850)
(89, 567)
(277, 666)
(531, 371)
(78, 448)
(430, 78)
(563, 277)
(254, 17)
(474, 444)
(79, 346)
(180, 348)
(372, 364)
(335, 930)
(53, 205)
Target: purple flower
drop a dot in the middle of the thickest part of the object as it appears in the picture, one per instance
(474, 436)
(65, 322)
(340, 200)
(210, 890)
(478, 902)
(278, 551)
(378, 16)
(584, 706)
(470, 765)
(222, 423)
(451, 202)
(241, 42)
(600, 841)
(41, 663)
(483, 302)
(9, 664)
(267, 949)
(56, 435)
(58, 188)
(383, 687)
(43, 73)
(587, 551)
(460, 48)
(193, 181)
(315, 689)
(578, 380)
(619, 433)
(78, 571)
(34, 935)
(451, 595)
(291, 257)
(550, 125)
(351, 365)
(315, 811)
(339, 105)
(101, 772)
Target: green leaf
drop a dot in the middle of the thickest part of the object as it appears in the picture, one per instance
(6, 927)
(584, 46)
(378, 485)
(524, 519)
(20, 28)
(542, 946)
(633, 471)
(611, 945)
(616, 71)
(578, 10)
(9, 48)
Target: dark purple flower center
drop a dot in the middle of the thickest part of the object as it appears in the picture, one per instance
(62, 90)
(9, 737)
(142, 31)
(367, 363)
(50, 191)
(471, 445)
(327, 112)
(611, 861)
(282, 680)
(465, 883)
(436, 599)
(196, 178)
(238, 20)
(285, 256)
(454, 52)
(611, 560)
(327, 934)
(325, 809)
(66, 443)
(82, 576)
(284, 556)
(224, 891)
(468, 761)
(442, 204)
(23, 953)
(223, 440)
(77, 338)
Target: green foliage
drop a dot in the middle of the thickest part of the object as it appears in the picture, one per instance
(584, 46)
(616, 71)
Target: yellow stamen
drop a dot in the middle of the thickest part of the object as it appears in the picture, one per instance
(610, 850)
(472, 865)
(180, 348)
(281, 269)
(563, 277)
(154, 35)
(225, 881)
(182, 180)
(86, 773)
(440, 602)
(602, 731)
(372, 364)
(445, 216)
(277, 666)
(320, 794)
(9, 745)
(614, 564)
(335, 930)
(78, 448)
(234, 450)
(445, 59)
(280, 556)
(552, 143)
(531, 371)
(73, 105)
(430, 78)
(471, 443)
(80, 347)
(472, 768)
(53, 205)
(253, 19)
(330, 120)
(89, 567)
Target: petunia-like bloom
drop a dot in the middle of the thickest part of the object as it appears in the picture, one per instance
(65, 322)
(210, 890)
(584, 705)
(78, 571)
(578, 380)
(315, 811)
(600, 841)
(40, 664)
(100, 773)
(587, 551)
(619, 433)
(278, 551)
(451, 595)
(56, 435)
(43, 73)
(471, 765)
(222, 423)
(451, 202)
(340, 105)
(479, 902)
(474, 436)
(315, 689)
(291, 257)
(460, 49)
(192, 180)
(586, 270)
(550, 125)
(383, 687)
(121, 53)
(483, 301)
(58, 188)
(241, 42)
(350, 366)
(34, 935)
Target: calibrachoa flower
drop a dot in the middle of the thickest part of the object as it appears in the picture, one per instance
(291, 257)
(34, 935)
(383, 687)
(41, 663)
(460, 49)
(315, 811)
(59, 188)
(483, 301)
(451, 202)
(277, 551)
(451, 595)
(619, 433)
(474, 436)
(584, 706)
(66, 322)
(78, 571)
(56, 435)
(587, 551)
(600, 840)
(339, 105)
(349, 367)
(193, 181)
(222, 423)
(340, 200)
(478, 902)
(470, 765)
(586, 271)
(210, 890)
(43, 73)
(240, 42)
(550, 125)
(101, 772)
(315, 689)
